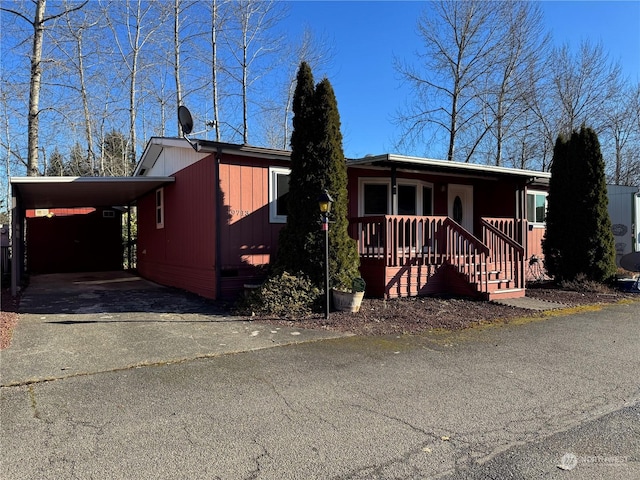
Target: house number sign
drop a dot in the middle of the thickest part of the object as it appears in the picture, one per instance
(239, 213)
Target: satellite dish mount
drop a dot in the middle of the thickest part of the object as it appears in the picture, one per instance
(186, 123)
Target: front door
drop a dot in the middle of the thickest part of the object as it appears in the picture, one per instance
(460, 200)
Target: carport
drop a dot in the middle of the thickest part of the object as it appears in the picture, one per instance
(68, 192)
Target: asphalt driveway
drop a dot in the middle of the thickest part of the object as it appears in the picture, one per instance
(81, 323)
(513, 401)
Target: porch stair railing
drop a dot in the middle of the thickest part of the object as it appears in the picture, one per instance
(507, 254)
(416, 246)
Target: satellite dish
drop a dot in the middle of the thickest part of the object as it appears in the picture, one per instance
(185, 119)
(631, 262)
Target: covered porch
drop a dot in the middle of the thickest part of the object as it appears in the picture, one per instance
(404, 255)
(427, 227)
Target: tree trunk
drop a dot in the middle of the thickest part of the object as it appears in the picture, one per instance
(34, 88)
(176, 52)
(85, 103)
(214, 66)
(245, 67)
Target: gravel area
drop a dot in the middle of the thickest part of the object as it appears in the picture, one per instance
(8, 317)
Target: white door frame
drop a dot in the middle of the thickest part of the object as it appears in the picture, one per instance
(465, 192)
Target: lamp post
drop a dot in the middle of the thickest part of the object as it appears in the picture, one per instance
(324, 202)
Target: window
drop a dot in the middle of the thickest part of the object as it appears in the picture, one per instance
(278, 194)
(407, 200)
(376, 199)
(427, 200)
(536, 207)
(413, 197)
(160, 208)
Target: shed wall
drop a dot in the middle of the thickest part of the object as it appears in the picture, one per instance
(74, 242)
(621, 212)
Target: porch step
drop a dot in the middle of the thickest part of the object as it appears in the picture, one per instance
(505, 293)
(499, 284)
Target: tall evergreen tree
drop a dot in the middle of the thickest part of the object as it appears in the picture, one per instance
(343, 252)
(298, 245)
(56, 167)
(114, 160)
(317, 163)
(79, 164)
(578, 239)
(600, 248)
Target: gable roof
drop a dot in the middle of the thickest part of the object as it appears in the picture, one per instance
(156, 145)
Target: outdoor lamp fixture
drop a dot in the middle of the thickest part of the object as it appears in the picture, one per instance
(324, 202)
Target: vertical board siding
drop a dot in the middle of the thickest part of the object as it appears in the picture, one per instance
(248, 241)
(182, 254)
(534, 242)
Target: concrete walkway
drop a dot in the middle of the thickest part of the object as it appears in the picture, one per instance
(530, 303)
(76, 324)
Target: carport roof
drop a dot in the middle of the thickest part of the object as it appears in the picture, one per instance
(67, 192)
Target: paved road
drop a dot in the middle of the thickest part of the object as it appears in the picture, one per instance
(498, 402)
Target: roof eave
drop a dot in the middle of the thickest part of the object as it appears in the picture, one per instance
(443, 165)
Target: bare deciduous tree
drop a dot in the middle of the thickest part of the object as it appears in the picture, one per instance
(38, 25)
(575, 90)
(521, 45)
(70, 40)
(459, 47)
(252, 43)
(621, 126)
(133, 24)
(180, 9)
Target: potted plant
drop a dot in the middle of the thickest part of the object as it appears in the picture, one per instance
(349, 301)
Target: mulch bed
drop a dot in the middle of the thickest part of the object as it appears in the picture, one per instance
(417, 315)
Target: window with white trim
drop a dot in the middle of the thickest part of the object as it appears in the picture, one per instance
(414, 197)
(160, 208)
(536, 207)
(375, 198)
(278, 194)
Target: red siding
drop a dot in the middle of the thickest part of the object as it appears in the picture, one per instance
(60, 212)
(534, 241)
(182, 254)
(247, 239)
(491, 198)
(74, 242)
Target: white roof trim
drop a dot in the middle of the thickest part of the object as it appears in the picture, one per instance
(67, 192)
(429, 162)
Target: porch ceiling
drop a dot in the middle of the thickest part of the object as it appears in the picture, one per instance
(67, 192)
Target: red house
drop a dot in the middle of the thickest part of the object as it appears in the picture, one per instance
(423, 226)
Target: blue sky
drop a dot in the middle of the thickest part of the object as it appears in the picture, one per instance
(367, 35)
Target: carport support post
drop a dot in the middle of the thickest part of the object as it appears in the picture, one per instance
(129, 237)
(17, 241)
